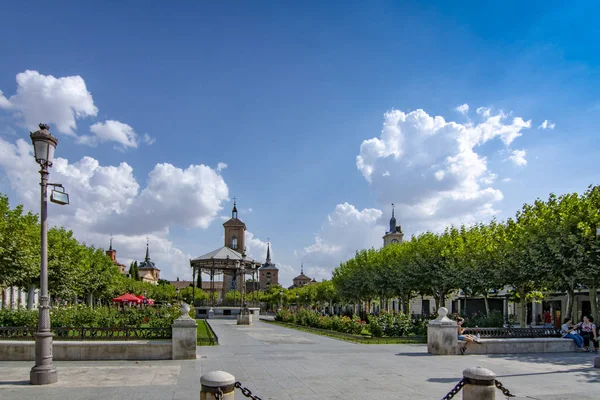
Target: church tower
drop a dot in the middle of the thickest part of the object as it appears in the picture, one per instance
(235, 231)
(394, 235)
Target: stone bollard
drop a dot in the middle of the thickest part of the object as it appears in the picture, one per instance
(211, 382)
(183, 343)
(597, 362)
(442, 334)
(479, 384)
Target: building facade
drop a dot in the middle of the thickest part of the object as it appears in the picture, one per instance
(268, 273)
(301, 280)
(147, 270)
(394, 235)
(112, 254)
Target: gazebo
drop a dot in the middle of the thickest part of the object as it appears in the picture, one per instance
(233, 266)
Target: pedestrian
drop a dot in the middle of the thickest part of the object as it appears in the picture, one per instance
(567, 330)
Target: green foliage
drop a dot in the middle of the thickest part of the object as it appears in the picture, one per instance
(494, 319)
(393, 325)
(313, 319)
(84, 316)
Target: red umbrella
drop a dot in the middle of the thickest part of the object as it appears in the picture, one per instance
(126, 298)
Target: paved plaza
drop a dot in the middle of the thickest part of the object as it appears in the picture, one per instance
(281, 363)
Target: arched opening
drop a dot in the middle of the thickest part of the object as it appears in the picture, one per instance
(234, 242)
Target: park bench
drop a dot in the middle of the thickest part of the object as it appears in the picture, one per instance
(517, 340)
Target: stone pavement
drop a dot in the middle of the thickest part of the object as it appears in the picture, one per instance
(281, 363)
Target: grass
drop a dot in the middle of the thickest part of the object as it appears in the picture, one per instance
(204, 335)
(352, 338)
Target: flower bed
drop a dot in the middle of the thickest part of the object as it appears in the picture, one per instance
(315, 320)
(97, 317)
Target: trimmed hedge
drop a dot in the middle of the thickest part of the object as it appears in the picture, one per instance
(84, 316)
(314, 319)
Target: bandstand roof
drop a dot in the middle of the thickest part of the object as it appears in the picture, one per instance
(223, 258)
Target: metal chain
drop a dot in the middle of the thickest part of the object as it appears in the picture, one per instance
(246, 392)
(455, 390)
(504, 390)
(219, 394)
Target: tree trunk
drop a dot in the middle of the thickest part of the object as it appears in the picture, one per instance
(3, 298)
(569, 308)
(487, 305)
(594, 304)
(12, 298)
(19, 298)
(406, 305)
(523, 309)
(90, 299)
(30, 296)
(436, 301)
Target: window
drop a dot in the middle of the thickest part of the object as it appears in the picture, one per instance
(234, 242)
(268, 275)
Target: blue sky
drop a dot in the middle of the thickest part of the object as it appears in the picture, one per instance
(285, 95)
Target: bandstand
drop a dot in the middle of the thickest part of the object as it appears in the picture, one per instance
(230, 267)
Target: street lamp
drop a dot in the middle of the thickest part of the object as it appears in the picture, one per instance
(44, 372)
(297, 302)
(177, 291)
(307, 305)
(280, 299)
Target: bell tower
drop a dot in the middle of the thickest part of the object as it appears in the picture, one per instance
(394, 235)
(235, 231)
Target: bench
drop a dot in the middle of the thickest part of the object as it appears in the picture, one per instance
(517, 340)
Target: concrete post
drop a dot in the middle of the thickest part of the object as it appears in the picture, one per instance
(442, 334)
(183, 343)
(211, 382)
(479, 384)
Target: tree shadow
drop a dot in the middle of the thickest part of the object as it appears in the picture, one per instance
(443, 380)
(13, 383)
(415, 354)
(562, 359)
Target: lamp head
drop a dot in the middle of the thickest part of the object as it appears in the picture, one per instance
(44, 145)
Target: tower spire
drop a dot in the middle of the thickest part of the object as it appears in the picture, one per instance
(301, 268)
(393, 220)
(147, 249)
(110, 247)
(268, 253)
(234, 210)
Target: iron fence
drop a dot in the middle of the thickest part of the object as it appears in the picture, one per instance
(514, 333)
(87, 333)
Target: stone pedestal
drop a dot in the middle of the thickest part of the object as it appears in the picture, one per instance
(442, 334)
(183, 344)
(479, 384)
(244, 319)
(217, 381)
(210, 314)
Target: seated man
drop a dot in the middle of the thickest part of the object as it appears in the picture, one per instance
(567, 328)
(466, 338)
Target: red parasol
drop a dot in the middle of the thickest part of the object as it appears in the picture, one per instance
(127, 298)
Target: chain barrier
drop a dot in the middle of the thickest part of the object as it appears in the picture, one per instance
(455, 389)
(246, 392)
(463, 382)
(219, 394)
(504, 390)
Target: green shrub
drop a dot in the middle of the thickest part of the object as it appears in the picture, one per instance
(494, 319)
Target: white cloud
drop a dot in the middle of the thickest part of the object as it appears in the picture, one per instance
(484, 111)
(345, 230)
(107, 200)
(44, 98)
(438, 176)
(506, 180)
(221, 166)
(547, 125)
(148, 139)
(518, 157)
(463, 109)
(111, 131)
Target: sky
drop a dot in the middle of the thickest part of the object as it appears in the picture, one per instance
(315, 116)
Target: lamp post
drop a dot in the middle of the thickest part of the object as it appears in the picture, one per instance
(307, 305)
(296, 301)
(177, 291)
(44, 372)
(280, 299)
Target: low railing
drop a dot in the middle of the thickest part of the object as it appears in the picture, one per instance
(86, 333)
(513, 333)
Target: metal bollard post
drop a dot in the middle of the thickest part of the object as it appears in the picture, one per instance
(217, 385)
(479, 384)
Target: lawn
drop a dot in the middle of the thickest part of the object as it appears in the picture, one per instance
(204, 335)
(353, 338)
